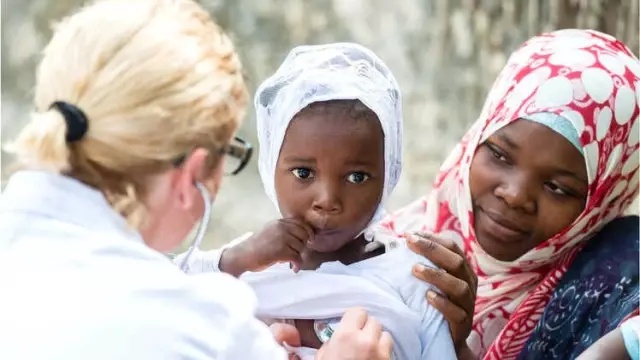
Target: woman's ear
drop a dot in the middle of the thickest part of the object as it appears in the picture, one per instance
(192, 170)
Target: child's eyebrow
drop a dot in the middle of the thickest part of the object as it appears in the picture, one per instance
(359, 163)
(296, 159)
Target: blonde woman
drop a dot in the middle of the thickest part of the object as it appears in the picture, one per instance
(137, 103)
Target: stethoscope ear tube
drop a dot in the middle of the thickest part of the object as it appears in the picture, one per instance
(202, 227)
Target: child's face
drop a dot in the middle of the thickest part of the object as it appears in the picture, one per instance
(527, 183)
(330, 172)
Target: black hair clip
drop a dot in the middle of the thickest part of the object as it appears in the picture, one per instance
(77, 122)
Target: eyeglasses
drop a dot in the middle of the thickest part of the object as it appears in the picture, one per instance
(237, 155)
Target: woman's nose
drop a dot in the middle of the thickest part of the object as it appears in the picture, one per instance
(517, 194)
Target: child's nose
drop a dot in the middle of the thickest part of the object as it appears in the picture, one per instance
(327, 201)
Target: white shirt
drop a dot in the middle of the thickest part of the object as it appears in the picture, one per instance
(384, 285)
(77, 283)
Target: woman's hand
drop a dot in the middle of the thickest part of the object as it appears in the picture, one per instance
(359, 337)
(455, 278)
(286, 334)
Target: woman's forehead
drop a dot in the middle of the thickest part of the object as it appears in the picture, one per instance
(590, 81)
(542, 146)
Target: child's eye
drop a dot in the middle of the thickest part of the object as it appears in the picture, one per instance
(302, 173)
(357, 177)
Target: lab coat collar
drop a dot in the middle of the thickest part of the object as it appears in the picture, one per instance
(65, 199)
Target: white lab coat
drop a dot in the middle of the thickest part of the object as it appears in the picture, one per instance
(76, 283)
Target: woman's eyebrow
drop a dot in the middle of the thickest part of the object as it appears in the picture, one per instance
(507, 140)
(569, 173)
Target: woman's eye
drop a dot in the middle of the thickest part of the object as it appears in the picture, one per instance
(302, 173)
(497, 153)
(554, 188)
(357, 177)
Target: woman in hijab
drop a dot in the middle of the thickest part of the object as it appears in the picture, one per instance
(542, 178)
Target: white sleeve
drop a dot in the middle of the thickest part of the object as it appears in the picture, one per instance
(253, 340)
(200, 261)
(167, 315)
(206, 261)
(248, 337)
(215, 319)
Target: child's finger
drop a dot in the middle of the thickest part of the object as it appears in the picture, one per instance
(300, 230)
(295, 261)
(295, 246)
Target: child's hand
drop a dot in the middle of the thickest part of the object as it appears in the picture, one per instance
(283, 240)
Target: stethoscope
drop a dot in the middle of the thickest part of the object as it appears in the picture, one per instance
(202, 227)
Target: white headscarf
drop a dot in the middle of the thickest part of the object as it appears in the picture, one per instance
(340, 71)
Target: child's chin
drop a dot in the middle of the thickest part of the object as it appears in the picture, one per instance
(328, 244)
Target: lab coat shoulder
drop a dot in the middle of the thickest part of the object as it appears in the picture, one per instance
(203, 316)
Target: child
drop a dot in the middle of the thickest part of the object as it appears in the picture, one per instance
(330, 126)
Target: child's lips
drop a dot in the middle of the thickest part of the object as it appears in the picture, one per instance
(318, 222)
(327, 232)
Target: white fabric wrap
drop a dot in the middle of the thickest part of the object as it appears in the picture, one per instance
(315, 73)
(333, 288)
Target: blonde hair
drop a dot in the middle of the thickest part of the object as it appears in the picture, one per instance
(155, 78)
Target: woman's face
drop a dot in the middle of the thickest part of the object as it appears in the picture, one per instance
(527, 184)
(330, 173)
(175, 204)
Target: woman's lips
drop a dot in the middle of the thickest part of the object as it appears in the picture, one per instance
(501, 228)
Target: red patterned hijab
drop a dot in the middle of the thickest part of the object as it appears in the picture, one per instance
(588, 78)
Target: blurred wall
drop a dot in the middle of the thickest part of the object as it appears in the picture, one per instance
(444, 53)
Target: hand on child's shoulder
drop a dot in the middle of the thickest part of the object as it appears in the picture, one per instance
(282, 240)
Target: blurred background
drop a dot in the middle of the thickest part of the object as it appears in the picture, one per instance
(444, 53)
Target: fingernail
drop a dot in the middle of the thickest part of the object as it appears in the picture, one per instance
(418, 268)
(431, 295)
(410, 238)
